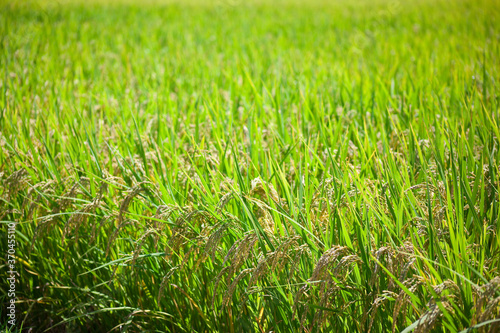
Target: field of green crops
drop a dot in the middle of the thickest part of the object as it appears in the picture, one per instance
(250, 166)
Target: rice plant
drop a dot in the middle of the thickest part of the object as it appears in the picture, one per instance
(250, 166)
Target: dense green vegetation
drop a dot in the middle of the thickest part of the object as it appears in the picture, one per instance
(245, 166)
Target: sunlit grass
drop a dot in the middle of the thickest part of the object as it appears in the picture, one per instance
(246, 166)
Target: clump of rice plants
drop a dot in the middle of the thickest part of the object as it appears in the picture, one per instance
(251, 166)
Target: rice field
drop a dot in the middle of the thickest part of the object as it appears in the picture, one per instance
(250, 166)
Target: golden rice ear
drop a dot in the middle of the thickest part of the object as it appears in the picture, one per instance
(77, 219)
(45, 188)
(217, 281)
(187, 254)
(265, 219)
(211, 245)
(232, 287)
(487, 305)
(403, 298)
(116, 232)
(163, 212)
(299, 252)
(321, 277)
(126, 202)
(164, 282)
(15, 182)
(181, 234)
(386, 252)
(139, 242)
(260, 269)
(241, 253)
(429, 319)
(273, 261)
(267, 193)
(43, 224)
(327, 259)
(96, 227)
(433, 315)
(264, 189)
(67, 198)
(223, 201)
(329, 288)
(379, 301)
(237, 254)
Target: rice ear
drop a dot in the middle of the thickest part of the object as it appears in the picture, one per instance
(14, 182)
(217, 281)
(126, 202)
(164, 282)
(116, 232)
(139, 243)
(232, 287)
